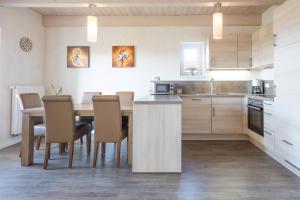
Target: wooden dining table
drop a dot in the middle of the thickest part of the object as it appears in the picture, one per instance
(28, 115)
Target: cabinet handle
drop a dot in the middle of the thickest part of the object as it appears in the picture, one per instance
(267, 113)
(288, 162)
(251, 62)
(268, 133)
(275, 40)
(196, 99)
(214, 112)
(213, 62)
(287, 142)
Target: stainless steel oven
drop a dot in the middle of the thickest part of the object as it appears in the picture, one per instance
(256, 115)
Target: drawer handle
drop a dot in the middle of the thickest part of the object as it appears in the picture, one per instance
(287, 142)
(268, 133)
(196, 99)
(288, 162)
(214, 112)
(269, 104)
(268, 114)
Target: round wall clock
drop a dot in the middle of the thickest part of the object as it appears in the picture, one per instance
(26, 44)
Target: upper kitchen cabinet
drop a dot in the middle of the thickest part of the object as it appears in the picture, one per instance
(231, 52)
(244, 50)
(262, 47)
(286, 23)
(223, 53)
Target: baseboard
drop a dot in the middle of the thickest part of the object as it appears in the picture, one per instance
(215, 137)
(14, 141)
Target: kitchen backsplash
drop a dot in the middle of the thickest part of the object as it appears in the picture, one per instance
(193, 87)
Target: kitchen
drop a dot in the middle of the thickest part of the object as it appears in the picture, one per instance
(213, 110)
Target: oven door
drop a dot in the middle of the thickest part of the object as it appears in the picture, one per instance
(256, 119)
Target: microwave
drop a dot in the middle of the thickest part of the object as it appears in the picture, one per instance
(164, 88)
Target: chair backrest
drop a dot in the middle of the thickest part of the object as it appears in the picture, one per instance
(126, 98)
(60, 118)
(107, 118)
(87, 97)
(31, 100)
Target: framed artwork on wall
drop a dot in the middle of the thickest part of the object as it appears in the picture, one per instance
(78, 56)
(123, 56)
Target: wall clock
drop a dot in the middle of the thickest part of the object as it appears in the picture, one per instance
(26, 44)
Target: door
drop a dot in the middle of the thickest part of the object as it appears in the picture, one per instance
(196, 115)
(244, 50)
(223, 53)
(227, 115)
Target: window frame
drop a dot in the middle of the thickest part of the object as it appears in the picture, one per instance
(201, 47)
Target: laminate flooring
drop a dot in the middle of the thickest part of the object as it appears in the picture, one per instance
(212, 170)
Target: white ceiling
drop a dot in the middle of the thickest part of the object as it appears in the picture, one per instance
(142, 7)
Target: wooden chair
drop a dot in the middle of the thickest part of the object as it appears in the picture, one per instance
(33, 100)
(108, 124)
(61, 127)
(87, 98)
(126, 99)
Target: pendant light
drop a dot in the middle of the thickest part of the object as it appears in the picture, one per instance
(92, 25)
(218, 23)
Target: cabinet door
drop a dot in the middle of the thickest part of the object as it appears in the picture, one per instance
(266, 45)
(255, 49)
(244, 50)
(196, 115)
(227, 116)
(286, 23)
(223, 53)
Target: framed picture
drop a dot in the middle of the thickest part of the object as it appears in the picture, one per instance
(78, 56)
(123, 56)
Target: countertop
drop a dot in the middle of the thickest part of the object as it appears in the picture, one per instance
(159, 99)
(215, 95)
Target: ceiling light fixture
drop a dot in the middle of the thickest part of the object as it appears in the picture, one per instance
(218, 23)
(92, 25)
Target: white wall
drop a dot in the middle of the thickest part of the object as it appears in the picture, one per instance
(17, 67)
(157, 54)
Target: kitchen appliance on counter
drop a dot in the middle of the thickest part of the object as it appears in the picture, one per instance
(256, 115)
(163, 88)
(257, 86)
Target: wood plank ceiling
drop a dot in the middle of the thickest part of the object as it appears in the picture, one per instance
(143, 7)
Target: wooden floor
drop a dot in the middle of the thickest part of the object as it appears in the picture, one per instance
(212, 170)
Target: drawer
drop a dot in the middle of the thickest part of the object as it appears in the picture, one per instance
(196, 100)
(287, 148)
(269, 122)
(227, 100)
(269, 140)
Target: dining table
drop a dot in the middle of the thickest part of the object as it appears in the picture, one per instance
(28, 116)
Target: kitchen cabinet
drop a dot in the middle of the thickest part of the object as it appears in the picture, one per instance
(286, 23)
(223, 53)
(262, 47)
(227, 115)
(244, 50)
(196, 115)
(234, 51)
(269, 133)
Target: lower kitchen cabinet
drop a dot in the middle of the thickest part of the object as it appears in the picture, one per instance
(196, 115)
(227, 115)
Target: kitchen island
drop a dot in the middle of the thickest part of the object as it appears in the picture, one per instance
(157, 134)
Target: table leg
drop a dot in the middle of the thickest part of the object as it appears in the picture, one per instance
(27, 144)
(130, 128)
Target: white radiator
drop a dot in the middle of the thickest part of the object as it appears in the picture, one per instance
(16, 114)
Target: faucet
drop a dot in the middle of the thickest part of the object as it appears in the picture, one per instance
(212, 86)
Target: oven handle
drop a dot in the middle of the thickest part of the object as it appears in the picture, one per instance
(255, 108)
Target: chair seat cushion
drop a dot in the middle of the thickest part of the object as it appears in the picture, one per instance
(40, 130)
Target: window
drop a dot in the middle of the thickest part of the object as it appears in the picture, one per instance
(192, 59)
